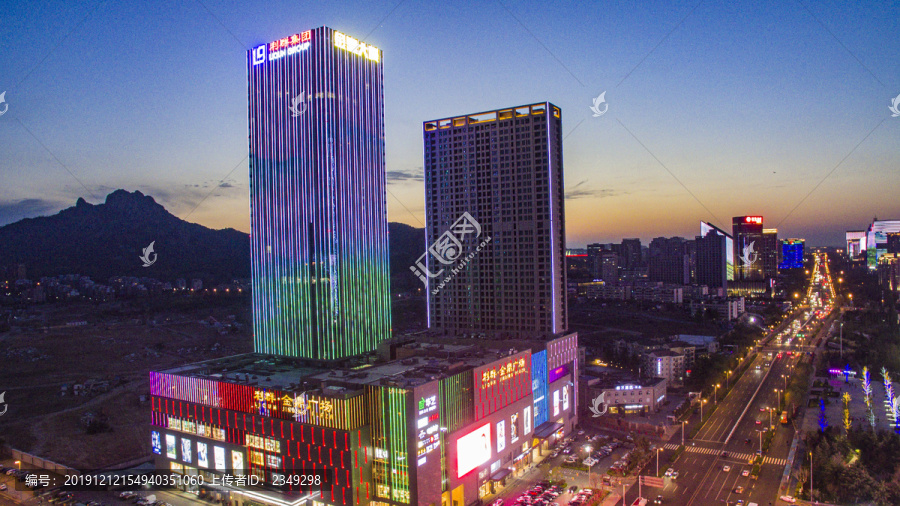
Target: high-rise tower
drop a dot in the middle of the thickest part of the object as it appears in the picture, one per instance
(319, 241)
(503, 168)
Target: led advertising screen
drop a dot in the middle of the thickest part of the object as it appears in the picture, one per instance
(202, 459)
(237, 460)
(170, 447)
(565, 396)
(526, 421)
(555, 402)
(219, 454)
(155, 442)
(186, 450)
(501, 436)
(473, 449)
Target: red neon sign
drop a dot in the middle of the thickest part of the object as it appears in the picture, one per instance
(753, 219)
(293, 40)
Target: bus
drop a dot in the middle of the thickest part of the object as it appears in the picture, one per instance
(784, 417)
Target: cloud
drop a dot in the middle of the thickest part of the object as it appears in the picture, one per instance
(226, 184)
(12, 211)
(399, 176)
(581, 190)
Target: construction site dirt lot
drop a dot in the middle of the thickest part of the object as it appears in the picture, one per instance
(78, 394)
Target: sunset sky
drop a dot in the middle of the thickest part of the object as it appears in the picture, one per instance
(715, 109)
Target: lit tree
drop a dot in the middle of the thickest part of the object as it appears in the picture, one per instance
(823, 421)
(846, 399)
(867, 386)
(891, 401)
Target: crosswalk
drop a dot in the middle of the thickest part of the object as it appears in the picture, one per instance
(736, 456)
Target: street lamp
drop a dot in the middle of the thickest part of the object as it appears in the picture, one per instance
(716, 393)
(657, 462)
(778, 397)
(589, 449)
(682, 431)
(19, 464)
(811, 476)
(727, 377)
(702, 402)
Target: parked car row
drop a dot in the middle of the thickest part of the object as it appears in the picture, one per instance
(581, 497)
(539, 495)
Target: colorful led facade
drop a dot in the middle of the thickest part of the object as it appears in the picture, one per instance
(319, 241)
(791, 254)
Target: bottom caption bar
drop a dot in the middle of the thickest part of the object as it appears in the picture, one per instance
(288, 480)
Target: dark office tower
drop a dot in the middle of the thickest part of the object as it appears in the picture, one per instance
(748, 243)
(631, 254)
(714, 248)
(595, 264)
(495, 222)
(667, 261)
(317, 197)
(769, 253)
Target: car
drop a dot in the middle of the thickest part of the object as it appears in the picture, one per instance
(762, 409)
(724, 454)
(739, 490)
(748, 441)
(10, 472)
(658, 500)
(675, 475)
(3, 486)
(669, 471)
(788, 498)
(746, 472)
(498, 502)
(726, 469)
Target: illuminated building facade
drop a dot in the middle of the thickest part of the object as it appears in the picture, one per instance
(877, 240)
(449, 422)
(503, 169)
(856, 243)
(748, 242)
(792, 254)
(319, 242)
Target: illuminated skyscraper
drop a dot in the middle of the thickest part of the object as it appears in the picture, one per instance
(319, 241)
(748, 242)
(501, 173)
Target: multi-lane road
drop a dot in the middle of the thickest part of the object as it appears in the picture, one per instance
(732, 434)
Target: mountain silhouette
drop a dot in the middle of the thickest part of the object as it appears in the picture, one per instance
(108, 239)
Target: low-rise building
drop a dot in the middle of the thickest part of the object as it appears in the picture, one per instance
(666, 364)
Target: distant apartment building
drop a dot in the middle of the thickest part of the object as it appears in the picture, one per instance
(725, 309)
(667, 261)
(631, 255)
(504, 168)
